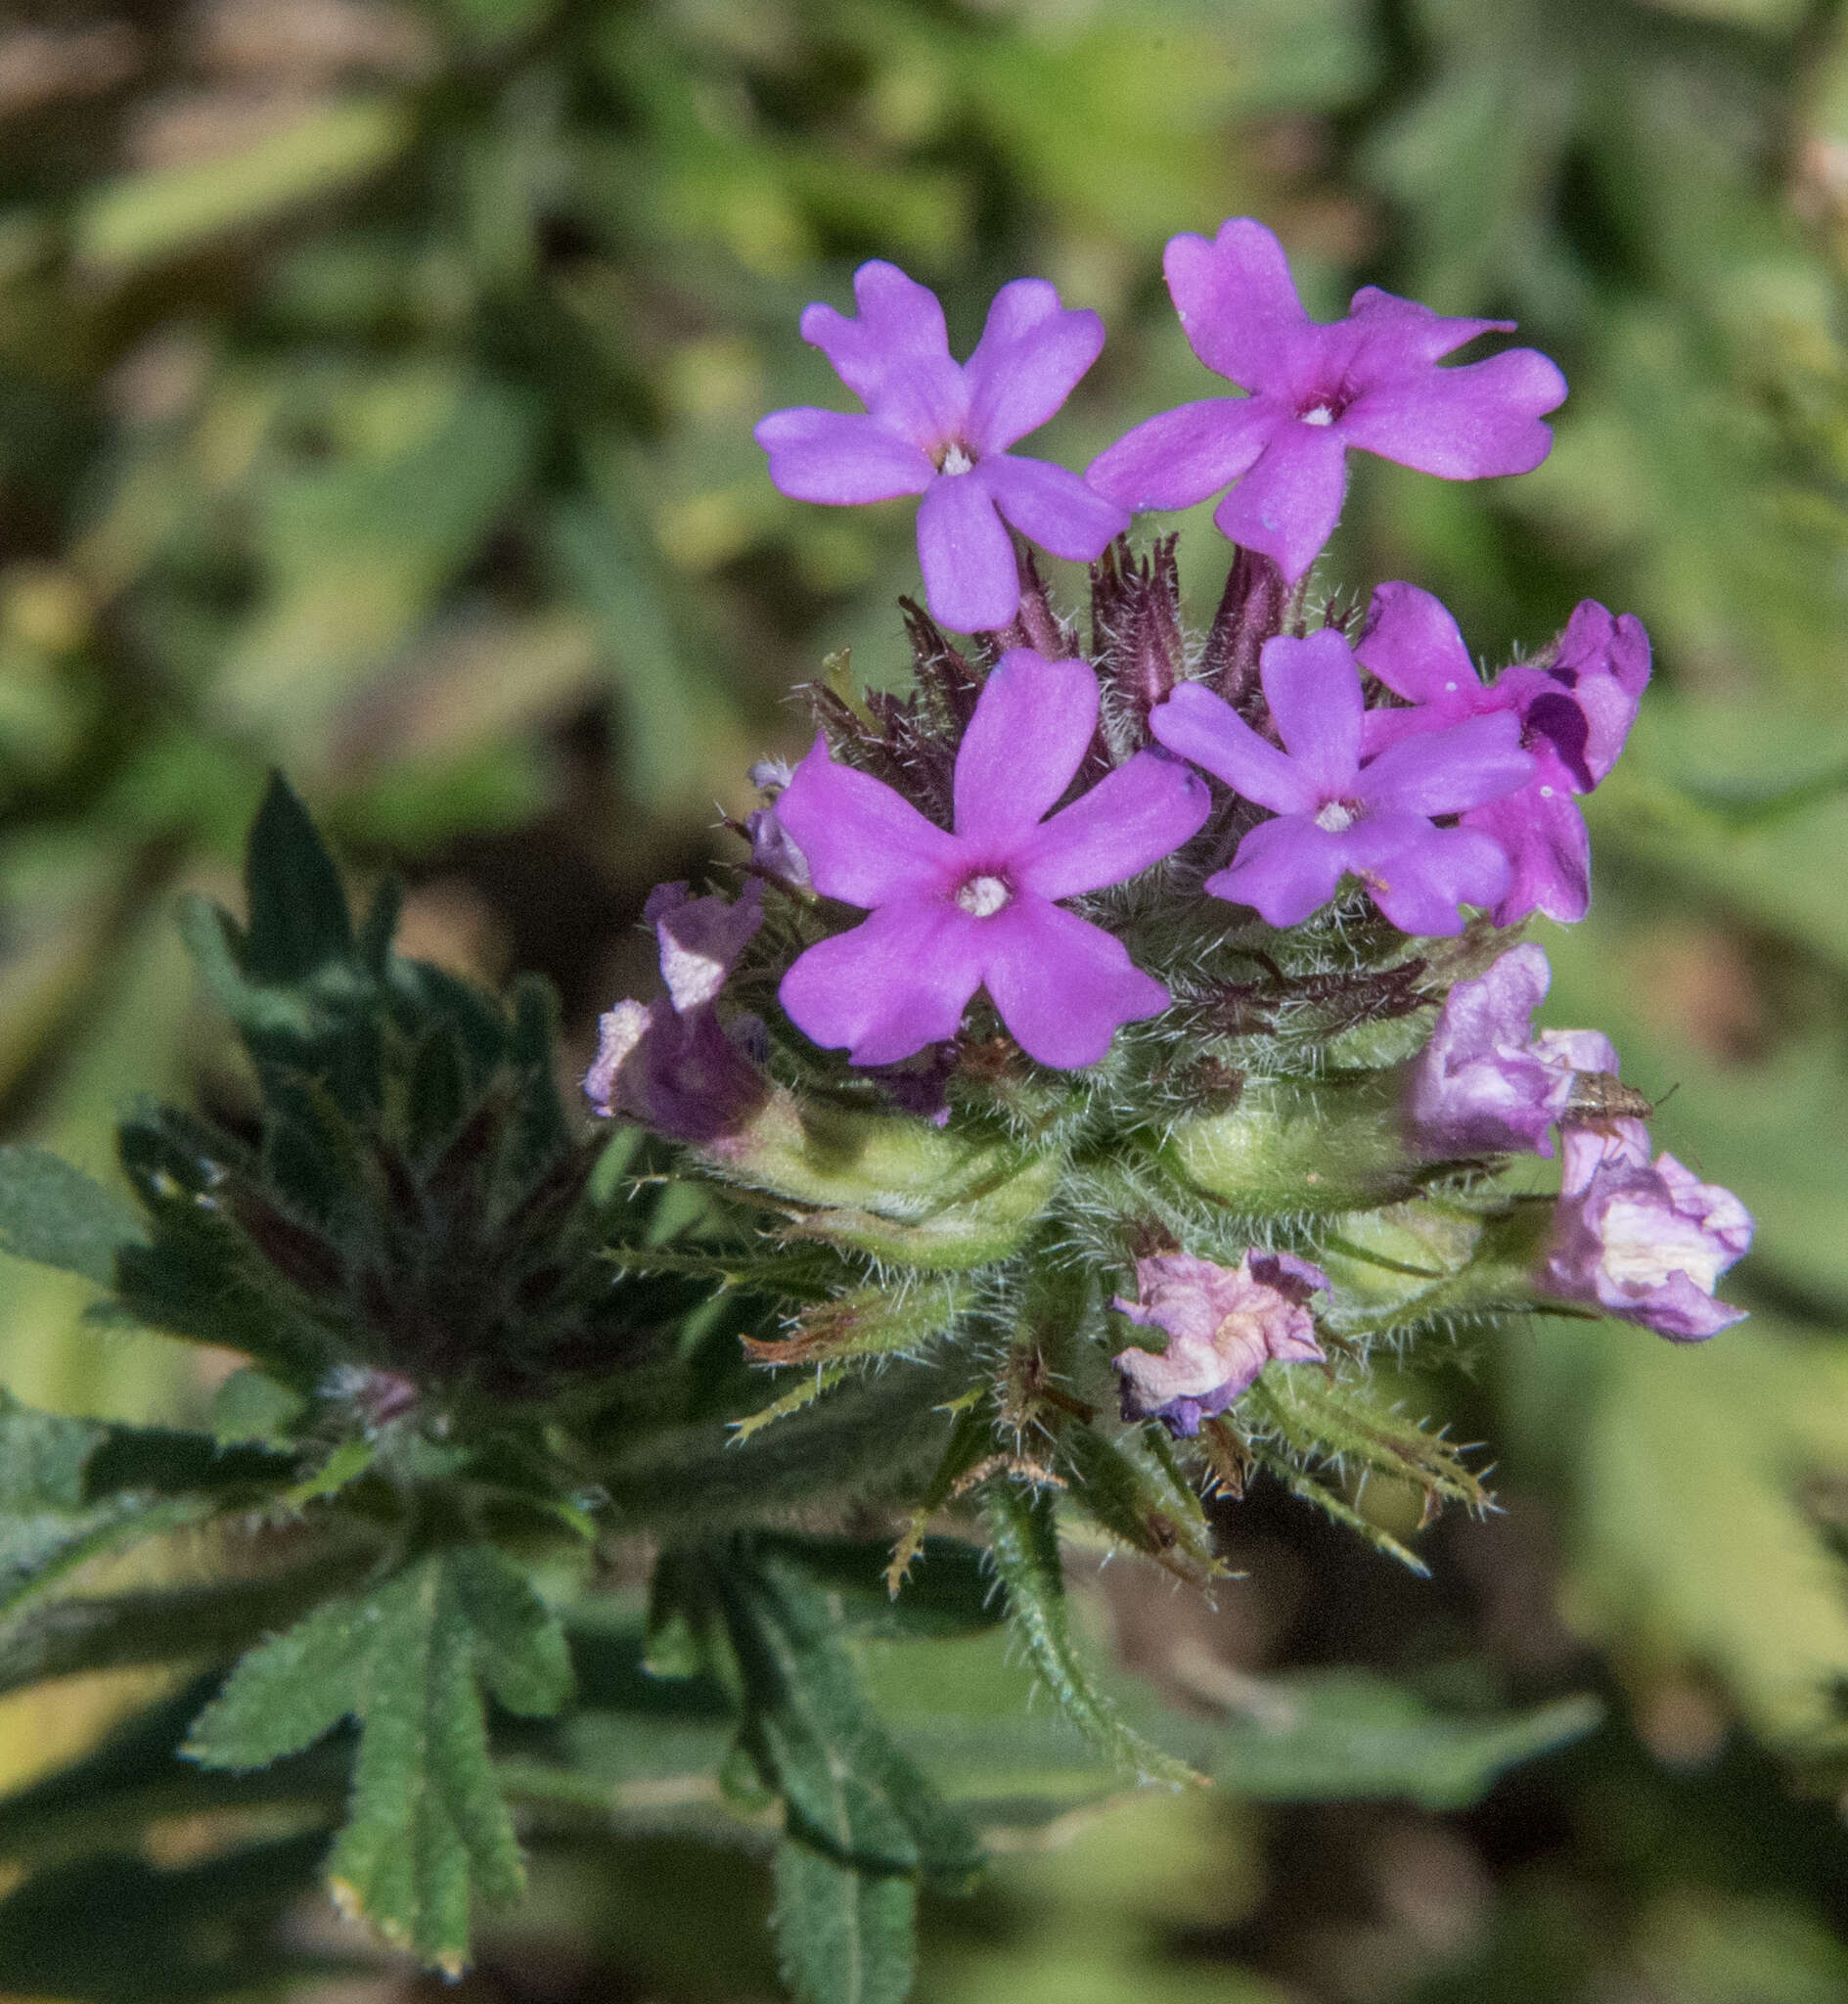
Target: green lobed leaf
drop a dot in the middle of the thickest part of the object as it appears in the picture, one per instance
(843, 1935)
(56, 1216)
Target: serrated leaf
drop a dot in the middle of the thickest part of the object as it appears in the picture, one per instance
(427, 1831)
(843, 1937)
(55, 1214)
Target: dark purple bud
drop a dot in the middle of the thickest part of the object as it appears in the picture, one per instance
(1251, 610)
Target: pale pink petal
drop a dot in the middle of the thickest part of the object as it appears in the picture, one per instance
(1288, 505)
(1182, 456)
(1419, 876)
(1284, 870)
(972, 580)
(1132, 818)
(1032, 727)
(1028, 361)
(1061, 986)
(1412, 644)
(840, 457)
(895, 357)
(1465, 423)
(1237, 301)
(1197, 725)
(1314, 691)
(1444, 772)
(896, 982)
(864, 843)
(1050, 505)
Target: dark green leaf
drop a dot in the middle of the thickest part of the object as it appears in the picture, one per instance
(55, 1214)
(299, 919)
(843, 1937)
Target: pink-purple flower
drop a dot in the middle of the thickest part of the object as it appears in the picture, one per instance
(671, 1063)
(1574, 715)
(1644, 1241)
(1224, 1325)
(979, 908)
(1336, 816)
(1485, 1085)
(1369, 381)
(941, 430)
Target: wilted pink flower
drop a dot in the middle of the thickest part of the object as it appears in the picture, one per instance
(1371, 379)
(1335, 815)
(941, 430)
(1644, 1241)
(670, 1063)
(1224, 1325)
(1485, 1085)
(977, 908)
(1574, 717)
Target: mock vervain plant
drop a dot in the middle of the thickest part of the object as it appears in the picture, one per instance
(1111, 1053)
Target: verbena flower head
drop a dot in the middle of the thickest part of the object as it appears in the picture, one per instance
(1369, 381)
(1335, 815)
(1485, 1085)
(1644, 1241)
(941, 430)
(953, 912)
(1574, 716)
(671, 1063)
(1224, 1325)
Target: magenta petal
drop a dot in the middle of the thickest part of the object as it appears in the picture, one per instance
(1314, 691)
(1062, 986)
(840, 457)
(1238, 302)
(864, 843)
(1465, 423)
(971, 581)
(1402, 332)
(895, 357)
(896, 982)
(1419, 876)
(1412, 645)
(1182, 456)
(1028, 361)
(1032, 727)
(1288, 505)
(1284, 870)
(1545, 840)
(1132, 818)
(1204, 728)
(1444, 772)
(1050, 505)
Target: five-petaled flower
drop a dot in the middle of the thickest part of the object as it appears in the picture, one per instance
(1485, 1085)
(1575, 714)
(941, 430)
(1224, 1325)
(1371, 379)
(1335, 814)
(1644, 1241)
(977, 908)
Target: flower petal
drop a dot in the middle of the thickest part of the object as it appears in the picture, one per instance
(1132, 818)
(1182, 456)
(1050, 505)
(1419, 876)
(840, 457)
(1237, 301)
(971, 581)
(1544, 836)
(1032, 727)
(1288, 505)
(1028, 361)
(1412, 644)
(1203, 727)
(865, 843)
(1314, 691)
(1465, 423)
(895, 357)
(1444, 772)
(1062, 986)
(893, 984)
(1399, 335)
(1284, 870)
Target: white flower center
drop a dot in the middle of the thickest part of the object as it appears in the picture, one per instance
(1638, 1253)
(983, 897)
(1546, 793)
(957, 458)
(1319, 415)
(1336, 817)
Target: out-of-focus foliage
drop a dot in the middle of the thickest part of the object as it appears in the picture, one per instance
(375, 384)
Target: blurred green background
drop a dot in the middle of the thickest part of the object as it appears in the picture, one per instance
(376, 388)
